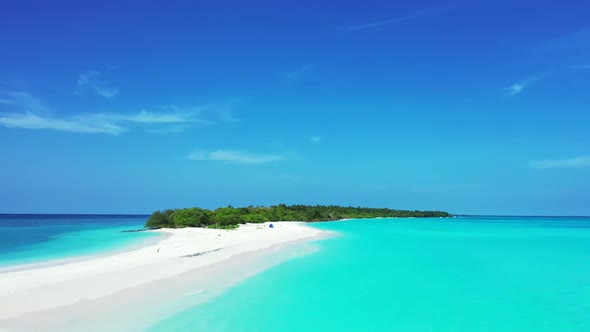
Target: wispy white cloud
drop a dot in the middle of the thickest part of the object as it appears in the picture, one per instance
(73, 125)
(206, 114)
(314, 139)
(90, 80)
(235, 157)
(23, 101)
(151, 117)
(22, 110)
(519, 87)
(575, 162)
(293, 76)
(392, 20)
(102, 123)
(169, 129)
(515, 89)
(164, 116)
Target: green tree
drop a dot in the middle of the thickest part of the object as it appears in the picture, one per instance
(229, 216)
(160, 219)
(192, 217)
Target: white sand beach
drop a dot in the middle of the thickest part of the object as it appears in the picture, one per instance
(56, 297)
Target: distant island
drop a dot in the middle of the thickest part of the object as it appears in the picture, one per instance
(230, 217)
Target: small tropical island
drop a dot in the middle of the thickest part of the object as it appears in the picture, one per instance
(230, 217)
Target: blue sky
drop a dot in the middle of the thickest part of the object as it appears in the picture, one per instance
(128, 107)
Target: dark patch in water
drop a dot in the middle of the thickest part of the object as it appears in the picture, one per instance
(139, 230)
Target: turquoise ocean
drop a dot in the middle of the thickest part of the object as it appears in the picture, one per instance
(33, 239)
(460, 274)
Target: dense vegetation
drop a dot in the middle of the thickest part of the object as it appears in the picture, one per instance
(226, 217)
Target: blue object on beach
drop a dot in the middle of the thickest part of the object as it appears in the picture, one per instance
(271, 226)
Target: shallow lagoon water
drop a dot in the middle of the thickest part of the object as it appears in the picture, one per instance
(460, 274)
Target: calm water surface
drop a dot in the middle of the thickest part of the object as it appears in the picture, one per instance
(29, 239)
(461, 274)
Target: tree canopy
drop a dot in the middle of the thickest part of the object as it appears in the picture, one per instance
(228, 216)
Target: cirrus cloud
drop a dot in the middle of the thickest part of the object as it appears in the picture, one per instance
(519, 87)
(393, 20)
(73, 125)
(235, 157)
(293, 76)
(314, 139)
(91, 81)
(23, 110)
(575, 162)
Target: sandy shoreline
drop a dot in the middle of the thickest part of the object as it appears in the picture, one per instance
(47, 297)
(69, 260)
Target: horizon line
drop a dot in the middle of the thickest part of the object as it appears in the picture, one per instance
(2, 214)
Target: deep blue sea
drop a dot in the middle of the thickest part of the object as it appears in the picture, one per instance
(414, 275)
(30, 239)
